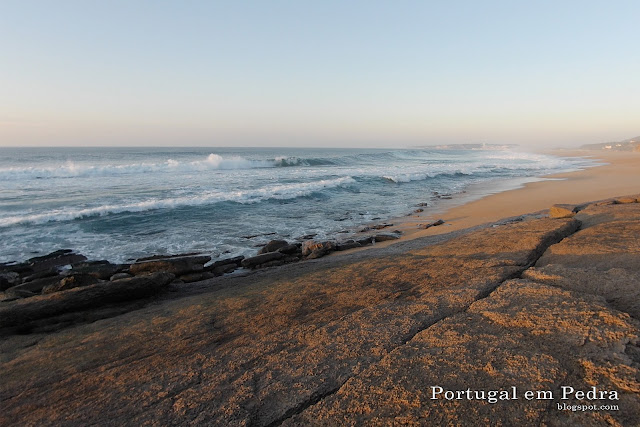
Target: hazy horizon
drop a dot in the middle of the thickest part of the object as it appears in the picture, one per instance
(287, 74)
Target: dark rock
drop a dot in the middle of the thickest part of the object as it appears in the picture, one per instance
(385, 237)
(14, 294)
(55, 259)
(224, 269)
(418, 210)
(380, 226)
(22, 269)
(35, 286)
(86, 297)
(366, 241)
(174, 265)
(432, 224)
(255, 261)
(102, 270)
(157, 257)
(237, 261)
(423, 204)
(9, 279)
(273, 246)
(73, 281)
(120, 276)
(349, 244)
(290, 249)
(41, 275)
(257, 235)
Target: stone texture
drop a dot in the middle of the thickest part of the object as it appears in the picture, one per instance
(258, 260)
(72, 281)
(273, 246)
(175, 265)
(561, 211)
(359, 341)
(20, 312)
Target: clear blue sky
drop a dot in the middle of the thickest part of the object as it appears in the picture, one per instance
(356, 73)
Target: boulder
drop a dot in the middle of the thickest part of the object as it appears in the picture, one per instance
(120, 276)
(41, 275)
(72, 281)
(349, 244)
(380, 226)
(385, 237)
(102, 270)
(224, 269)
(290, 249)
(365, 241)
(273, 246)
(318, 249)
(432, 224)
(58, 258)
(14, 294)
(237, 261)
(257, 260)
(562, 211)
(34, 286)
(173, 265)
(9, 279)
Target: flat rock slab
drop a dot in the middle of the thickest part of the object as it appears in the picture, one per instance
(357, 343)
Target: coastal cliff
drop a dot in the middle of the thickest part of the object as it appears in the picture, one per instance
(531, 304)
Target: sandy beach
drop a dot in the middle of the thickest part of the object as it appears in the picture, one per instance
(619, 174)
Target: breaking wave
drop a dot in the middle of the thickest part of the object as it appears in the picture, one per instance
(276, 192)
(211, 162)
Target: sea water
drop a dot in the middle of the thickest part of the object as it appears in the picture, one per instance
(122, 203)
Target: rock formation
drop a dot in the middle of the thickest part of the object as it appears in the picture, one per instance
(539, 304)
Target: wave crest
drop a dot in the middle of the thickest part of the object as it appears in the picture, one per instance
(277, 192)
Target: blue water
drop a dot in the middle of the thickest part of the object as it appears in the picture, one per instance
(123, 203)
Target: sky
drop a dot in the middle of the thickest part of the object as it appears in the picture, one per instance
(318, 73)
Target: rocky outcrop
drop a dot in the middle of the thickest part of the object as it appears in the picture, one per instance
(72, 281)
(431, 224)
(538, 304)
(273, 246)
(177, 265)
(55, 259)
(312, 249)
(562, 211)
(258, 260)
(21, 312)
(102, 270)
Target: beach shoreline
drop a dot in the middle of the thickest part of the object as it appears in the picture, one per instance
(617, 173)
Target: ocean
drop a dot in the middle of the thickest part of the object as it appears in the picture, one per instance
(119, 204)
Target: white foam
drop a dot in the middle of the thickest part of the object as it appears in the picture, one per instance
(72, 169)
(277, 192)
